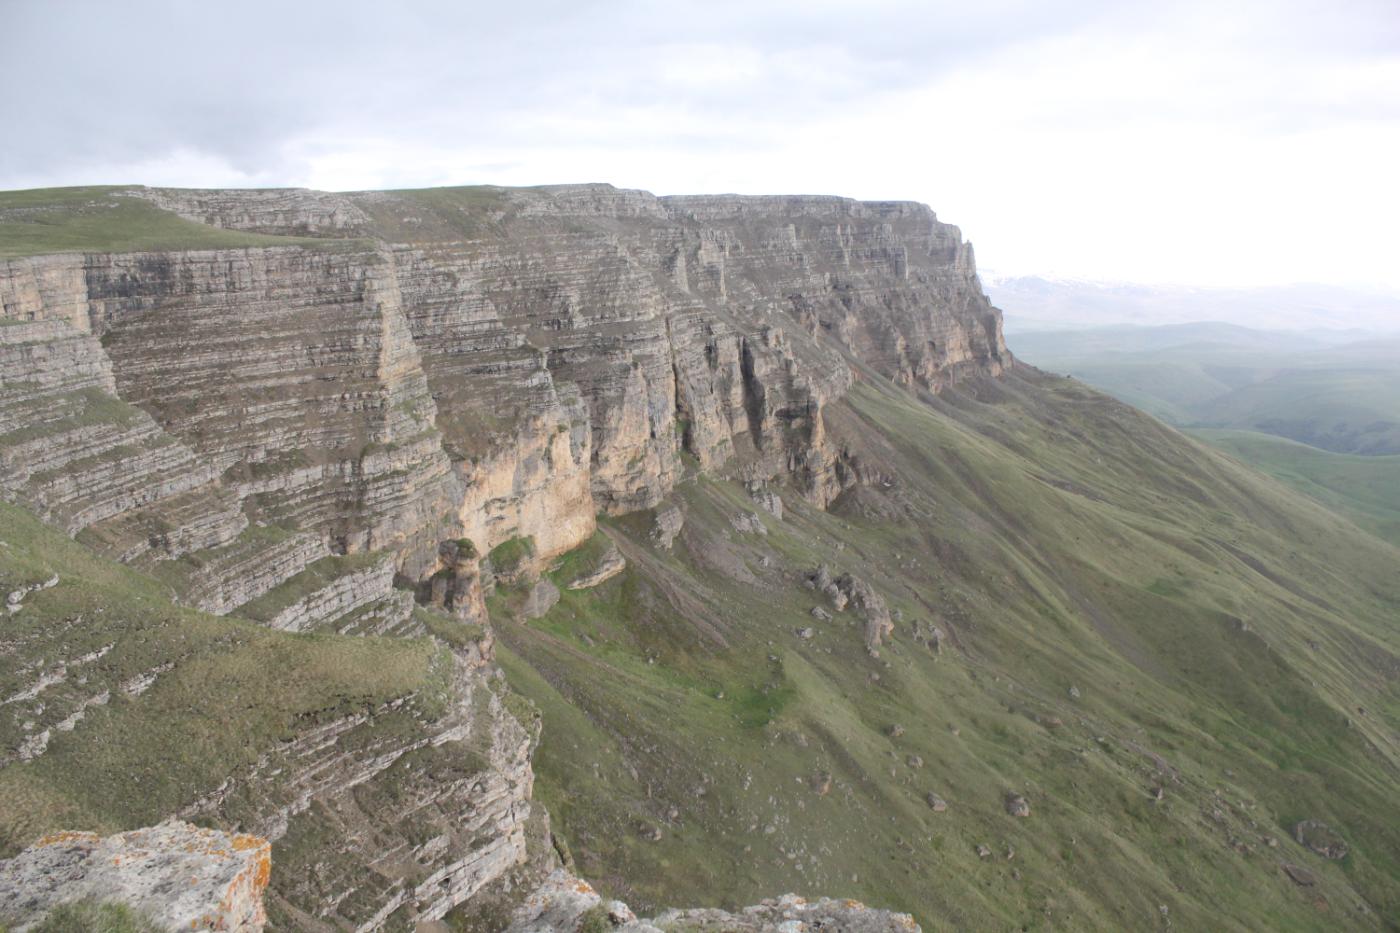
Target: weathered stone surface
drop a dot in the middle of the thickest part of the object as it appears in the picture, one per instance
(501, 366)
(611, 564)
(340, 596)
(269, 210)
(560, 904)
(181, 876)
(770, 502)
(542, 598)
(457, 583)
(226, 577)
(669, 522)
(387, 818)
(1321, 838)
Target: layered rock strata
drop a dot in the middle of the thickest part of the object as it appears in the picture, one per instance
(315, 433)
(477, 364)
(395, 815)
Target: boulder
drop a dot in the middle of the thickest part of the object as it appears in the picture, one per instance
(770, 502)
(749, 523)
(1017, 805)
(543, 597)
(669, 522)
(181, 876)
(564, 902)
(1321, 838)
(612, 564)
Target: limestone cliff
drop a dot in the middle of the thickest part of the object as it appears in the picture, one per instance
(312, 434)
(478, 364)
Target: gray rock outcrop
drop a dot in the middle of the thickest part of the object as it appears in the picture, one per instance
(563, 902)
(504, 366)
(669, 522)
(180, 876)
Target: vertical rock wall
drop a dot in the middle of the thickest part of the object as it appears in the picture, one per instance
(480, 364)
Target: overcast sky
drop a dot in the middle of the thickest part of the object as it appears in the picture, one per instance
(1215, 142)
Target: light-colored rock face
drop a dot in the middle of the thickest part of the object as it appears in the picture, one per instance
(182, 877)
(274, 210)
(502, 364)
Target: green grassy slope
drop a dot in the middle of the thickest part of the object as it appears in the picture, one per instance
(1229, 641)
(172, 701)
(1364, 489)
(100, 219)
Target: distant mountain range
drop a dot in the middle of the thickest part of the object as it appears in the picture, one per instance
(1052, 303)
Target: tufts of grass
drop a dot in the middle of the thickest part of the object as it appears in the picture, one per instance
(92, 917)
(511, 557)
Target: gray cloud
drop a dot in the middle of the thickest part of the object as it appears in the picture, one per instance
(106, 83)
(1082, 135)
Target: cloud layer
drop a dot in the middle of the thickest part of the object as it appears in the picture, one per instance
(1224, 142)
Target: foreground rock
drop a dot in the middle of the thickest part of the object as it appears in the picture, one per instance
(181, 876)
(564, 903)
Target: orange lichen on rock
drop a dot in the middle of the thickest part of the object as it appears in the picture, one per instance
(65, 837)
(183, 876)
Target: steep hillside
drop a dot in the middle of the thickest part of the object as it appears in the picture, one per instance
(1364, 489)
(1172, 659)
(813, 586)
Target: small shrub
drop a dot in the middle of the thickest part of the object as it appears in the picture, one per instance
(91, 917)
(595, 920)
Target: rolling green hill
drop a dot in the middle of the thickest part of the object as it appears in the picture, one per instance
(1307, 387)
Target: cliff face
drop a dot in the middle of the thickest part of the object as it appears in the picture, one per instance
(479, 363)
(312, 434)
